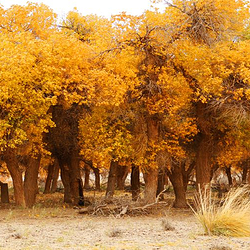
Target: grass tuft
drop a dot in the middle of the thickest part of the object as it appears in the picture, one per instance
(167, 226)
(229, 218)
(115, 232)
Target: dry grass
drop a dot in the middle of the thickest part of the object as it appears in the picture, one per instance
(230, 218)
(114, 232)
(166, 225)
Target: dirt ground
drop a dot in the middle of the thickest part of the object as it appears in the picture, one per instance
(65, 228)
(53, 225)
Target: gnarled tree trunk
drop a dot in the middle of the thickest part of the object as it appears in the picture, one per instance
(97, 174)
(122, 174)
(30, 180)
(244, 171)
(161, 182)
(97, 179)
(177, 180)
(75, 178)
(49, 179)
(151, 173)
(205, 147)
(4, 192)
(135, 182)
(16, 175)
(65, 175)
(150, 178)
(55, 176)
(248, 177)
(86, 177)
(229, 176)
(112, 179)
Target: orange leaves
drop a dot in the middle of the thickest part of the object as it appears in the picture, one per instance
(103, 136)
(156, 64)
(33, 18)
(25, 89)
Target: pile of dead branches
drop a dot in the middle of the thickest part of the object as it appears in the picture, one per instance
(119, 208)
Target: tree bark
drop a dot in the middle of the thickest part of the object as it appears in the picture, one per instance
(122, 173)
(177, 180)
(52, 177)
(135, 182)
(112, 179)
(66, 182)
(55, 176)
(204, 151)
(86, 177)
(151, 173)
(186, 174)
(244, 172)
(4, 193)
(150, 178)
(75, 178)
(97, 179)
(49, 179)
(161, 182)
(30, 180)
(16, 175)
(97, 174)
(229, 176)
(248, 177)
(203, 162)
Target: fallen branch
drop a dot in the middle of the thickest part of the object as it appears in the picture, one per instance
(119, 210)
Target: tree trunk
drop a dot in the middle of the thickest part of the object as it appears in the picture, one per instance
(52, 177)
(97, 174)
(176, 178)
(135, 182)
(30, 180)
(161, 182)
(55, 176)
(112, 179)
(122, 174)
(229, 176)
(204, 151)
(151, 173)
(49, 179)
(16, 175)
(203, 162)
(186, 174)
(213, 170)
(150, 178)
(97, 179)
(86, 177)
(75, 178)
(66, 182)
(248, 177)
(244, 172)
(4, 193)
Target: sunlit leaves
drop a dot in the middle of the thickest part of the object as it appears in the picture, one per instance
(119, 69)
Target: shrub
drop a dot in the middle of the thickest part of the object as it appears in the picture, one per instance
(231, 217)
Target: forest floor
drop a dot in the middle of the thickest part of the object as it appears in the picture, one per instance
(53, 225)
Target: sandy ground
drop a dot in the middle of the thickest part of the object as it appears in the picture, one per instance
(65, 228)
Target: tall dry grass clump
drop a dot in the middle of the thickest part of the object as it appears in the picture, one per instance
(231, 217)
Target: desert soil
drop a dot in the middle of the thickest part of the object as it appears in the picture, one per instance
(65, 228)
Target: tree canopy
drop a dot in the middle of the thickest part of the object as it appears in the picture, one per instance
(151, 90)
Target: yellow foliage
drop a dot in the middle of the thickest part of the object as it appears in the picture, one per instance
(156, 64)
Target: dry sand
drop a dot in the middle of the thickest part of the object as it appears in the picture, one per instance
(64, 228)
